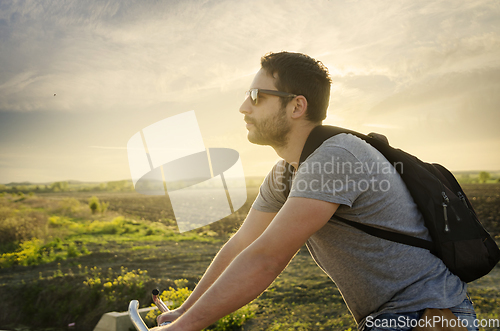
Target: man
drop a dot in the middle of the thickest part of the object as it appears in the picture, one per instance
(379, 280)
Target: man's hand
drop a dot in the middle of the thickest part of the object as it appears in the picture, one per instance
(170, 316)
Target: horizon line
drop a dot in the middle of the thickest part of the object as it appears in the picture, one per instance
(256, 176)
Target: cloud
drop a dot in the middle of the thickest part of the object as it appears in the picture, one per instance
(380, 126)
(109, 147)
(448, 86)
(103, 56)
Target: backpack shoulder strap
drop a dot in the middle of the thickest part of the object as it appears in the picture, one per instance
(321, 133)
(317, 136)
(285, 180)
(400, 238)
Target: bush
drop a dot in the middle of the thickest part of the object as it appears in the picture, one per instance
(33, 252)
(70, 206)
(17, 225)
(104, 206)
(121, 225)
(118, 287)
(94, 204)
(58, 221)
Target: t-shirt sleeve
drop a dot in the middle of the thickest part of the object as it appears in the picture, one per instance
(331, 173)
(271, 195)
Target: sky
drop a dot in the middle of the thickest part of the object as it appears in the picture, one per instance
(79, 78)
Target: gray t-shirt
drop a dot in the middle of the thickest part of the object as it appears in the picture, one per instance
(374, 275)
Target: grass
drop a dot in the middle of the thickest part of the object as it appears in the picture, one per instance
(72, 265)
(50, 241)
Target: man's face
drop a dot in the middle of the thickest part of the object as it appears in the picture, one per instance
(267, 121)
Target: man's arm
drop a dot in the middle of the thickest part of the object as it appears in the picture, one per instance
(256, 267)
(255, 223)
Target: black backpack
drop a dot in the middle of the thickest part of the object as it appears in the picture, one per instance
(458, 238)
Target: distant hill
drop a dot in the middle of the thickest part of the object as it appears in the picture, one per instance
(470, 176)
(20, 183)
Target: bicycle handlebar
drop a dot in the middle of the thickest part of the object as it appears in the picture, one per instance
(135, 317)
(158, 302)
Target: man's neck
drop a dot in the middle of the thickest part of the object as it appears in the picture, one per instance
(296, 140)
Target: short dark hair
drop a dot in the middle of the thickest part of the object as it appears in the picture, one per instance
(300, 74)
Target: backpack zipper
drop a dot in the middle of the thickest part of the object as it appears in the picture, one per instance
(462, 197)
(445, 212)
(451, 206)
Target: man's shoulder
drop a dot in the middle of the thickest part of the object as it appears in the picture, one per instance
(347, 145)
(279, 168)
(277, 176)
(272, 195)
(345, 140)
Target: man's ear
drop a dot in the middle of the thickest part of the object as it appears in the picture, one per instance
(300, 107)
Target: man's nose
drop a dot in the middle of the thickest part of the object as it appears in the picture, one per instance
(246, 107)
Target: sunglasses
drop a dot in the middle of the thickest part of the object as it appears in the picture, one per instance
(254, 94)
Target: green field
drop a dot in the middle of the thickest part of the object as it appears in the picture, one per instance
(83, 264)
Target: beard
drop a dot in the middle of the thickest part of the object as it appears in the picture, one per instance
(271, 132)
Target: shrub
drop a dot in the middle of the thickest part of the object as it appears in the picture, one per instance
(104, 206)
(118, 287)
(235, 319)
(94, 204)
(58, 221)
(17, 225)
(29, 253)
(33, 252)
(70, 206)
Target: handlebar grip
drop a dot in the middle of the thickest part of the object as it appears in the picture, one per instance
(158, 302)
(135, 317)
